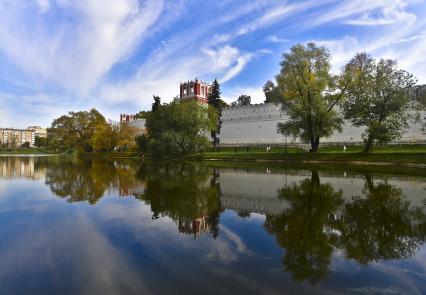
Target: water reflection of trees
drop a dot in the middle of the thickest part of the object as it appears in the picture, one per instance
(187, 193)
(378, 225)
(302, 228)
(88, 179)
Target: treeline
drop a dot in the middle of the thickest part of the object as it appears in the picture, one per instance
(368, 93)
(180, 127)
(89, 131)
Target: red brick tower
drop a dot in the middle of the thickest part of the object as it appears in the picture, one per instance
(198, 90)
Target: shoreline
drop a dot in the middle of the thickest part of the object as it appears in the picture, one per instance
(404, 159)
(308, 162)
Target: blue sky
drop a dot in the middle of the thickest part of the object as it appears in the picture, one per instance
(62, 55)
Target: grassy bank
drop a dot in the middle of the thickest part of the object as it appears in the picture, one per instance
(112, 155)
(334, 155)
(25, 151)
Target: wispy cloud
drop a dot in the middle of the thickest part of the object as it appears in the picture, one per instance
(62, 54)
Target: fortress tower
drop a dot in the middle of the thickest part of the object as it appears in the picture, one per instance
(198, 90)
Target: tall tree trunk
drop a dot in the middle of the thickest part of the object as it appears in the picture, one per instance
(369, 144)
(315, 145)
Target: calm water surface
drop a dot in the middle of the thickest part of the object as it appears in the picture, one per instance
(123, 227)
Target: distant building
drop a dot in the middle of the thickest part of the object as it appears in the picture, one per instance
(39, 131)
(138, 124)
(198, 90)
(17, 137)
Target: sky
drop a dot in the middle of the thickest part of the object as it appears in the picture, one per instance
(113, 55)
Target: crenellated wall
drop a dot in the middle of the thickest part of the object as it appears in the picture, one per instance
(257, 124)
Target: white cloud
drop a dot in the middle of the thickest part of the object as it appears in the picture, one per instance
(276, 39)
(79, 50)
(391, 13)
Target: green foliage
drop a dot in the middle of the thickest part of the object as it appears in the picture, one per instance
(180, 128)
(126, 138)
(157, 103)
(88, 131)
(215, 102)
(26, 144)
(377, 98)
(309, 94)
(272, 93)
(222, 104)
(142, 141)
(243, 100)
(104, 139)
(40, 141)
(141, 115)
(74, 130)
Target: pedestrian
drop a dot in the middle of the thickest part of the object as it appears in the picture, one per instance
(344, 148)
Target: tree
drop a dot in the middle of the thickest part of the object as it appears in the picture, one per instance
(157, 103)
(75, 130)
(272, 93)
(141, 115)
(214, 101)
(40, 141)
(309, 94)
(377, 98)
(142, 141)
(180, 127)
(222, 104)
(126, 137)
(105, 138)
(243, 100)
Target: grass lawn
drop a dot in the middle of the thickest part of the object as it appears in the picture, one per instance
(413, 154)
(25, 151)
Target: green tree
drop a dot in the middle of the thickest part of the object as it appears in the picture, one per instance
(222, 104)
(126, 137)
(180, 127)
(40, 141)
(105, 137)
(309, 94)
(377, 98)
(156, 104)
(215, 102)
(302, 228)
(272, 93)
(142, 141)
(243, 100)
(74, 130)
(141, 115)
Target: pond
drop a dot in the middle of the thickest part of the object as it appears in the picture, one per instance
(130, 227)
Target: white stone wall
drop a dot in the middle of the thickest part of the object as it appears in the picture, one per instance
(257, 124)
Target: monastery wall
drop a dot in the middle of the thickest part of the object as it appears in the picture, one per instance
(257, 125)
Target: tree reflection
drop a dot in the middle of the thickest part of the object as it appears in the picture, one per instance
(88, 179)
(380, 224)
(187, 193)
(304, 229)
